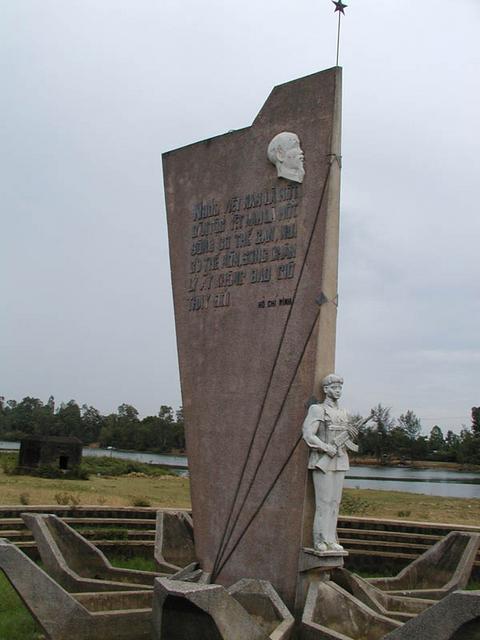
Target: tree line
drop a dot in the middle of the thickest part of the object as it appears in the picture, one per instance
(384, 438)
(123, 429)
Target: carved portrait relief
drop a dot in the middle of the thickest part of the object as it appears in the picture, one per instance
(285, 153)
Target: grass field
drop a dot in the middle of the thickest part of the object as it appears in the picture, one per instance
(126, 490)
(400, 505)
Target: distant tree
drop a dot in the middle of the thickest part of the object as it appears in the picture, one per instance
(109, 433)
(468, 451)
(166, 414)
(436, 441)
(452, 439)
(3, 415)
(451, 446)
(382, 417)
(476, 421)
(410, 424)
(27, 417)
(419, 448)
(51, 404)
(69, 420)
(384, 423)
(128, 412)
(92, 423)
(405, 435)
(126, 426)
(179, 416)
(167, 428)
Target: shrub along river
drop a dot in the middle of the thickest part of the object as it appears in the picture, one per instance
(435, 482)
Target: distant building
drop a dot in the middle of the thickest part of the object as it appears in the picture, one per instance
(62, 453)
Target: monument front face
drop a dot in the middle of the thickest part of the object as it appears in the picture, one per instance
(253, 232)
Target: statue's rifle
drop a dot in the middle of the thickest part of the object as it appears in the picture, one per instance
(344, 439)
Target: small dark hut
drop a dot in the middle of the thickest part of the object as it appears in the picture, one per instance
(62, 453)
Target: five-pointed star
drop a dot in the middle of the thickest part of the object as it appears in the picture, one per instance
(339, 6)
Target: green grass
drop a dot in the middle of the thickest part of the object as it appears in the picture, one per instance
(16, 622)
(473, 585)
(107, 466)
(104, 532)
(140, 563)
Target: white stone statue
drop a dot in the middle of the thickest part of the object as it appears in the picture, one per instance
(285, 153)
(328, 431)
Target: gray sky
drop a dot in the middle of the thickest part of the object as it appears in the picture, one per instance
(93, 91)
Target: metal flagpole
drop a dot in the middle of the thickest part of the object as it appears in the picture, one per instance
(340, 7)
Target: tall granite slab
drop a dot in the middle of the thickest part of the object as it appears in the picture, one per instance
(254, 271)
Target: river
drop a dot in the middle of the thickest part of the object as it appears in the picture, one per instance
(435, 482)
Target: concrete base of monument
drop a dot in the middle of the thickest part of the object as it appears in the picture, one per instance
(396, 607)
(331, 613)
(77, 565)
(331, 603)
(248, 609)
(315, 566)
(174, 545)
(326, 560)
(442, 569)
(456, 617)
(325, 554)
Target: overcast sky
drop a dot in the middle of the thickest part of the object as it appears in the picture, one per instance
(93, 91)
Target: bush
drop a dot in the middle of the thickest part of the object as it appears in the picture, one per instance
(141, 502)
(46, 471)
(24, 498)
(104, 465)
(8, 461)
(79, 473)
(107, 466)
(65, 498)
(354, 505)
(49, 471)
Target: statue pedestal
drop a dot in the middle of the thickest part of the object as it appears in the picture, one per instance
(314, 566)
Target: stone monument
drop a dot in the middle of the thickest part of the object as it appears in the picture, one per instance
(253, 234)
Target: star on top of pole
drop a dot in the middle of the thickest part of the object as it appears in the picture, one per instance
(340, 6)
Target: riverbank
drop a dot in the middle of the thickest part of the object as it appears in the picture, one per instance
(415, 507)
(178, 459)
(414, 464)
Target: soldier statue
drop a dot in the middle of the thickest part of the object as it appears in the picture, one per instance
(329, 432)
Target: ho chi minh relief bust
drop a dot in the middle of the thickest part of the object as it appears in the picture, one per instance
(285, 153)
